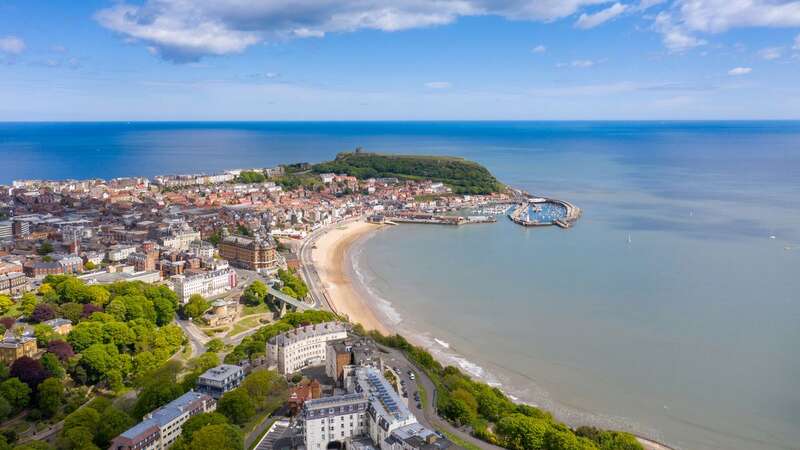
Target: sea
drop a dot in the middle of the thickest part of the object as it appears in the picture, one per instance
(671, 309)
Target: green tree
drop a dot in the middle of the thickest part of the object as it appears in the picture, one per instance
(85, 334)
(217, 437)
(196, 306)
(5, 303)
(52, 365)
(16, 392)
(114, 422)
(519, 432)
(45, 249)
(34, 445)
(199, 421)
(28, 303)
(97, 295)
(5, 408)
(255, 293)
(72, 311)
(44, 334)
(237, 406)
(215, 345)
(50, 396)
(89, 265)
(262, 386)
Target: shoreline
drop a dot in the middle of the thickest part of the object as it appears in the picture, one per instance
(331, 260)
(328, 256)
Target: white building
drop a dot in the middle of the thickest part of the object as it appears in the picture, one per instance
(334, 419)
(372, 409)
(202, 249)
(159, 429)
(120, 252)
(303, 346)
(207, 284)
(180, 240)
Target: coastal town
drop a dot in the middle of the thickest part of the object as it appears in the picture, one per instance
(204, 311)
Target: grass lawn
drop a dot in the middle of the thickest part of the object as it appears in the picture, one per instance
(245, 324)
(260, 309)
(460, 442)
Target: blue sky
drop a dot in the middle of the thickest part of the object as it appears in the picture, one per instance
(399, 59)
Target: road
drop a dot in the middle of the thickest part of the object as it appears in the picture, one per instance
(315, 288)
(427, 414)
(197, 339)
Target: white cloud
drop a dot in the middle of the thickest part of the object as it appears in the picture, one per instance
(771, 53)
(539, 49)
(587, 21)
(185, 30)
(438, 85)
(715, 16)
(578, 63)
(736, 71)
(12, 44)
(675, 36)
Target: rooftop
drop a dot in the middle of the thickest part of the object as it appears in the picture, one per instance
(165, 414)
(221, 372)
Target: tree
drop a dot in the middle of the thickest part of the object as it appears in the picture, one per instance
(196, 306)
(5, 303)
(98, 360)
(215, 345)
(43, 312)
(50, 396)
(237, 406)
(45, 249)
(165, 310)
(78, 438)
(114, 422)
(206, 361)
(28, 304)
(255, 293)
(16, 392)
(89, 265)
(217, 437)
(263, 384)
(34, 445)
(157, 393)
(78, 430)
(519, 432)
(5, 409)
(199, 421)
(44, 334)
(72, 311)
(85, 334)
(61, 349)
(52, 365)
(29, 371)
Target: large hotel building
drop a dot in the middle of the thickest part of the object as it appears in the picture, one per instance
(249, 253)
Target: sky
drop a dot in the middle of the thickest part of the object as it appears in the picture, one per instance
(66, 60)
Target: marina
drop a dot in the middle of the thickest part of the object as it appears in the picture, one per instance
(535, 212)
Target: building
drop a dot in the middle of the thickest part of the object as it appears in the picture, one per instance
(40, 269)
(298, 395)
(337, 355)
(159, 429)
(219, 380)
(386, 420)
(202, 249)
(207, 284)
(60, 326)
(13, 347)
(249, 253)
(6, 231)
(21, 228)
(143, 262)
(70, 263)
(180, 239)
(120, 252)
(303, 346)
(14, 283)
(334, 419)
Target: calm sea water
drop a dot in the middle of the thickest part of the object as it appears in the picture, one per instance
(688, 333)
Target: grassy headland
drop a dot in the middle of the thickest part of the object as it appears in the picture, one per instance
(464, 177)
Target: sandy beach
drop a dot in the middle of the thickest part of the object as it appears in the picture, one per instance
(329, 260)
